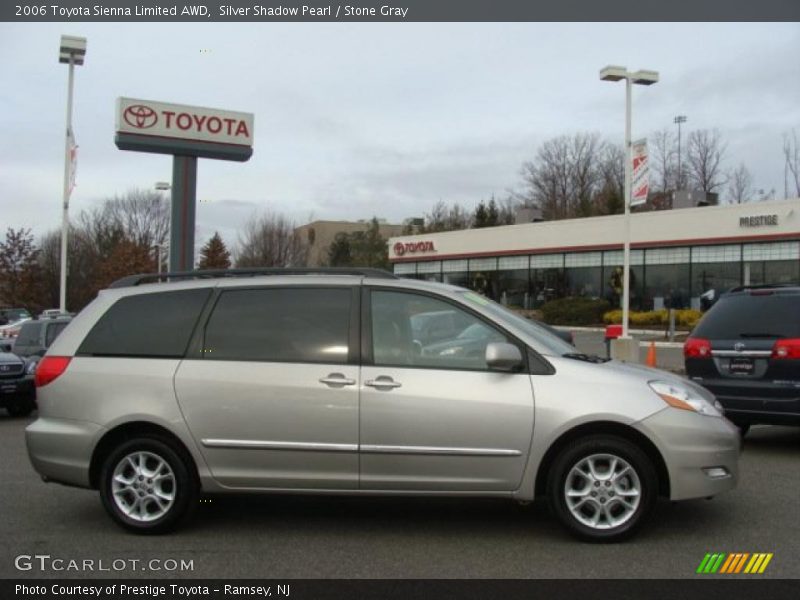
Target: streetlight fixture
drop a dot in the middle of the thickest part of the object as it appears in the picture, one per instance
(678, 120)
(72, 51)
(641, 77)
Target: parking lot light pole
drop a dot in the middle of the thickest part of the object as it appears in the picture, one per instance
(615, 73)
(678, 121)
(72, 52)
(163, 186)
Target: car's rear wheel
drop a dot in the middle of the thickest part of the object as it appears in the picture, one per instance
(602, 488)
(147, 485)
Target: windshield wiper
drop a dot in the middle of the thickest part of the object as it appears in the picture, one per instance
(592, 358)
(759, 335)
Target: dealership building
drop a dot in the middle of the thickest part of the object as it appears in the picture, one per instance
(676, 255)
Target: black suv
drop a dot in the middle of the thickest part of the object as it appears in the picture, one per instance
(746, 350)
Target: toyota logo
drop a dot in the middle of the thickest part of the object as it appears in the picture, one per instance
(738, 346)
(399, 248)
(140, 116)
(4, 367)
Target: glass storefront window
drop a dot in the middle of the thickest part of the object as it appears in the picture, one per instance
(715, 276)
(513, 288)
(583, 281)
(666, 286)
(612, 278)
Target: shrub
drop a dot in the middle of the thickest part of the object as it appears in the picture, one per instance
(574, 311)
(683, 318)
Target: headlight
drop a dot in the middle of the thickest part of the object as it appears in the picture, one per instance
(684, 398)
(31, 368)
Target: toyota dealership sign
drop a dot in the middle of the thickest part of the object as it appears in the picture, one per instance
(176, 128)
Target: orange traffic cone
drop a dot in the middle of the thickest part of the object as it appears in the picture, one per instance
(651, 355)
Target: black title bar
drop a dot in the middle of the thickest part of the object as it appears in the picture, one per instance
(399, 10)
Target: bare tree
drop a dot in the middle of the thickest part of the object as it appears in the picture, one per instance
(609, 198)
(444, 218)
(740, 185)
(142, 214)
(665, 160)
(704, 160)
(564, 177)
(270, 241)
(791, 153)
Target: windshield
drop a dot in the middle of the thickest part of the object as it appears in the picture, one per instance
(548, 342)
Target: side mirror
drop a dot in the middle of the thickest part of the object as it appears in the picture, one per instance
(503, 356)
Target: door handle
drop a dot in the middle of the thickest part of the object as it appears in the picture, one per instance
(337, 379)
(383, 381)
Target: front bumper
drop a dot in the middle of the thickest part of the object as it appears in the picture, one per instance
(701, 453)
(61, 450)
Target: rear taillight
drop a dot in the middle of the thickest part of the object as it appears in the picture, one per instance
(696, 348)
(787, 349)
(50, 368)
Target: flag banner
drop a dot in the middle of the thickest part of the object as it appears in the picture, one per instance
(640, 185)
(73, 162)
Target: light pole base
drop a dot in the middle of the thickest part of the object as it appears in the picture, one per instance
(625, 349)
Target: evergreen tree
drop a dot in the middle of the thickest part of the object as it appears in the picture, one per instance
(492, 213)
(215, 254)
(481, 217)
(339, 254)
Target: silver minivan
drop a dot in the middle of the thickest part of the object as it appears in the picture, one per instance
(312, 381)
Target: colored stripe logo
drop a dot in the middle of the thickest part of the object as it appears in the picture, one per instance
(735, 563)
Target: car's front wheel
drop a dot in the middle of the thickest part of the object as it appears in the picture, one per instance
(147, 486)
(602, 488)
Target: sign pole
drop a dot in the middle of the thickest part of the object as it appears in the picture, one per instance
(184, 195)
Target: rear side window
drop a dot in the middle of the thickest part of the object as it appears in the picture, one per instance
(746, 315)
(147, 325)
(29, 334)
(280, 325)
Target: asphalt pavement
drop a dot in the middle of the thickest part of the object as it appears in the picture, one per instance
(349, 537)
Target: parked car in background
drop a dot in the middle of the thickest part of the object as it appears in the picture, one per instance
(36, 336)
(10, 315)
(746, 350)
(52, 313)
(313, 381)
(17, 393)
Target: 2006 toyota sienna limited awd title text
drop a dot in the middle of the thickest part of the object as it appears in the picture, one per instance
(312, 381)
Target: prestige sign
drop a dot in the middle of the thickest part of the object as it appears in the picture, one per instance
(758, 221)
(180, 122)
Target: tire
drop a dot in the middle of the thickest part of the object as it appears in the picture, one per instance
(143, 504)
(600, 509)
(22, 408)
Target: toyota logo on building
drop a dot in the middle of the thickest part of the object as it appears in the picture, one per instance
(401, 248)
(140, 116)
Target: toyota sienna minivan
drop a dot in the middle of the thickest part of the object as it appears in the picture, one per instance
(312, 381)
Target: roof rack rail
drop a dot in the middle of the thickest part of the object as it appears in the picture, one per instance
(134, 280)
(761, 286)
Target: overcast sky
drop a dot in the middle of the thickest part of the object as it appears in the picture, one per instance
(378, 119)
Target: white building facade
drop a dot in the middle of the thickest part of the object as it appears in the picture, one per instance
(676, 255)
